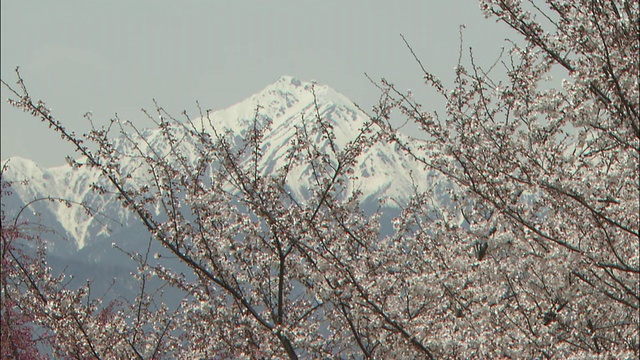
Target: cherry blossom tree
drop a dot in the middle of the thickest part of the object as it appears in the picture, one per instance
(526, 246)
(539, 256)
(16, 338)
(41, 315)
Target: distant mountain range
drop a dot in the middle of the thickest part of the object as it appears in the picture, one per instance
(382, 170)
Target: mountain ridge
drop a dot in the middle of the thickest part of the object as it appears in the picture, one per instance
(382, 171)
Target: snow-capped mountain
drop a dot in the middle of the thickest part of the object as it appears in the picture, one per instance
(382, 170)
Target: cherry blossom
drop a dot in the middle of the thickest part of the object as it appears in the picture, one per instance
(525, 246)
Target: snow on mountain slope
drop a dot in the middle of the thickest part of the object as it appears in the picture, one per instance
(46, 187)
(382, 171)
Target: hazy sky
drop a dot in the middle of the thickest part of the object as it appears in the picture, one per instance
(116, 56)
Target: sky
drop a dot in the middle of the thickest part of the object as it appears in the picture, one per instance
(115, 57)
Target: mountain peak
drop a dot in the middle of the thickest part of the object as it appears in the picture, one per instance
(287, 84)
(289, 80)
(296, 90)
(20, 165)
(281, 101)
